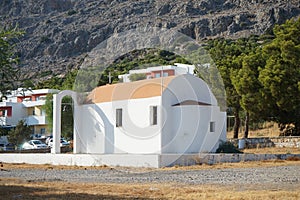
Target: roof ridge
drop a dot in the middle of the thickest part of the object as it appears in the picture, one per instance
(130, 90)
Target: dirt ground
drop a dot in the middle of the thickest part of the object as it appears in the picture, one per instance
(15, 188)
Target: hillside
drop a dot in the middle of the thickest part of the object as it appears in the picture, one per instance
(59, 33)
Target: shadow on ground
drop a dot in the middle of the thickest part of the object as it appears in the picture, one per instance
(26, 192)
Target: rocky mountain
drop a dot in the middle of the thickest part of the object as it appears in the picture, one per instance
(59, 33)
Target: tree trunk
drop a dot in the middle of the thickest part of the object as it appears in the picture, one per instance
(237, 123)
(246, 125)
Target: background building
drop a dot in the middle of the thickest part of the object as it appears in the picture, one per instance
(160, 71)
(25, 104)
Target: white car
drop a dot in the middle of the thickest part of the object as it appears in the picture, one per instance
(34, 144)
(62, 142)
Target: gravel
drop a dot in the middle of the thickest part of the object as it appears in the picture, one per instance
(286, 175)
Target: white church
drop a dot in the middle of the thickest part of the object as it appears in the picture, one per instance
(176, 115)
(157, 122)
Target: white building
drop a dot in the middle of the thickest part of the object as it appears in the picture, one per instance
(160, 71)
(169, 115)
(25, 105)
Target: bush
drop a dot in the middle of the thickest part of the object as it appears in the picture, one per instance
(137, 77)
(20, 134)
(227, 147)
(71, 12)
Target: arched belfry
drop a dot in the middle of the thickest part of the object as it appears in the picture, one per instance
(57, 101)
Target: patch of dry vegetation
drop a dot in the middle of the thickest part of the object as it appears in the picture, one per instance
(48, 166)
(268, 129)
(250, 164)
(16, 189)
(273, 150)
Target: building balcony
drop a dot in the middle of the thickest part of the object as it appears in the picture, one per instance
(28, 104)
(35, 120)
(6, 121)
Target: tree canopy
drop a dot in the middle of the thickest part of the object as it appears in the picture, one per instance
(262, 75)
(228, 56)
(281, 76)
(20, 134)
(8, 58)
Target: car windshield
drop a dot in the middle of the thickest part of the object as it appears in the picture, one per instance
(37, 142)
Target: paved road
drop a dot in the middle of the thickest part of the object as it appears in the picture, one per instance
(280, 175)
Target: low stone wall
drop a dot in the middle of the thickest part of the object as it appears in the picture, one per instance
(290, 141)
(139, 160)
(64, 149)
(232, 158)
(213, 158)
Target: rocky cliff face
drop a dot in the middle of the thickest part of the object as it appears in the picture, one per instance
(59, 33)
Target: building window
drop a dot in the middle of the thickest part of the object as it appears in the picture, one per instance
(119, 117)
(153, 115)
(157, 75)
(165, 74)
(212, 127)
(3, 113)
(43, 131)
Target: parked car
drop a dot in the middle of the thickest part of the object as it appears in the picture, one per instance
(35, 136)
(34, 144)
(63, 142)
(9, 147)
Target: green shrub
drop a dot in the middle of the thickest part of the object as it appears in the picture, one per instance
(71, 12)
(227, 147)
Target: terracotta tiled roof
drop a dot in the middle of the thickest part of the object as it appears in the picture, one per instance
(132, 90)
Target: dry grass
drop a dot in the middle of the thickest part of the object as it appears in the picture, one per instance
(46, 166)
(274, 150)
(16, 189)
(269, 129)
(266, 163)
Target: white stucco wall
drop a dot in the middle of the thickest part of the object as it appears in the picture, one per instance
(188, 87)
(91, 129)
(99, 134)
(187, 127)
